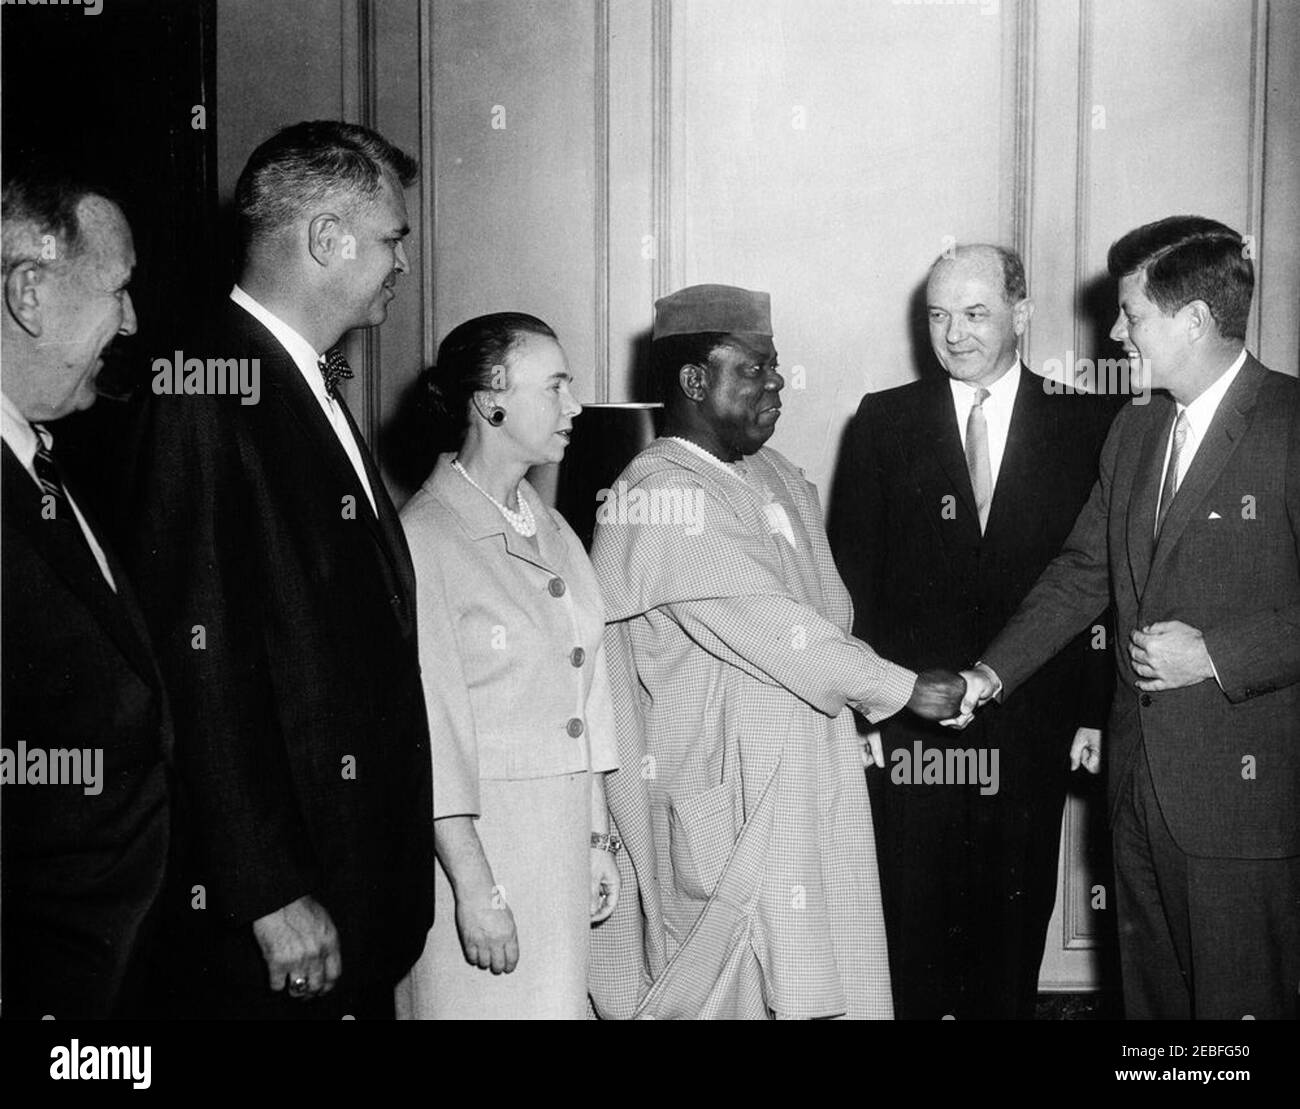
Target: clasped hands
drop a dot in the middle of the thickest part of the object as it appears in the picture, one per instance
(1165, 655)
(950, 698)
(936, 695)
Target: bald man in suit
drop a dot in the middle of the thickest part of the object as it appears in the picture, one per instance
(954, 493)
(86, 797)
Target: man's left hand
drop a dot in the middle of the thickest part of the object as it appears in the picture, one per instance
(1169, 655)
(1085, 751)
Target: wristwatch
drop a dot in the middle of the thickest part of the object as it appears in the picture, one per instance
(606, 841)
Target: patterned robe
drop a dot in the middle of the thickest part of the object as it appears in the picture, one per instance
(750, 884)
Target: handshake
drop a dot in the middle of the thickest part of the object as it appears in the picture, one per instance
(953, 698)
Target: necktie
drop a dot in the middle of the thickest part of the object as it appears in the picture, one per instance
(977, 457)
(1170, 486)
(333, 366)
(47, 473)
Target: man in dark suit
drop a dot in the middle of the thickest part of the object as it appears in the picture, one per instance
(282, 602)
(954, 493)
(86, 732)
(1194, 529)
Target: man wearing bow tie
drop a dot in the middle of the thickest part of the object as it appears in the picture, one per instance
(282, 601)
(1194, 529)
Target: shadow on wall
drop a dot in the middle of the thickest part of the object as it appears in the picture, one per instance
(410, 442)
(644, 387)
(923, 366)
(1097, 305)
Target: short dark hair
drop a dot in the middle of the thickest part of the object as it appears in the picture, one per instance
(669, 354)
(1014, 286)
(468, 359)
(41, 198)
(1187, 258)
(302, 164)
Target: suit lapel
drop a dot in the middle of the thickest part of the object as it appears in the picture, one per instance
(301, 404)
(1029, 438)
(291, 392)
(295, 398)
(482, 520)
(64, 548)
(1146, 491)
(392, 538)
(941, 433)
(1221, 439)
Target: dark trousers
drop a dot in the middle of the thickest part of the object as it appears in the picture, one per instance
(341, 1003)
(1207, 939)
(968, 883)
(204, 996)
(52, 969)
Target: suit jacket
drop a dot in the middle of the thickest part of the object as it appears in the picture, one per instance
(521, 631)
(930, 590)
(284, 613)
(1225, 760)
(81, 871)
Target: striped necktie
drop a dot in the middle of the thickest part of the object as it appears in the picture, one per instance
(51, 481)
(47, 470)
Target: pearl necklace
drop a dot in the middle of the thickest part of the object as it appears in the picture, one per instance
(523, 521)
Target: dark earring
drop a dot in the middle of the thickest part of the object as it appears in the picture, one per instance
(496, 415)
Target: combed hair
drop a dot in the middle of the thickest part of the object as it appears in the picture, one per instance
(1187, 258)
(468, 358)
(669, 354)
(299, 167)
(1014, 286)
(40, 198)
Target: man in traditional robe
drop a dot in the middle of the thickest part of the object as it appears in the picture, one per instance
(742, 802)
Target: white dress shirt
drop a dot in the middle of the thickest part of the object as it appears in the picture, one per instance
(21, 437)
(998, 406)
(1200, 413)
(308, 362)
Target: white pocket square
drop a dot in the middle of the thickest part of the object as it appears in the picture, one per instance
(1214, 516)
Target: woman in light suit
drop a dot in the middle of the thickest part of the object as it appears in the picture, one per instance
(522, 729)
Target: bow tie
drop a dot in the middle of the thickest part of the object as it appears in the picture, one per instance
(333, 366)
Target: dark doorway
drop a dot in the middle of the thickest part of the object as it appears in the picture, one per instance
(127, 97)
